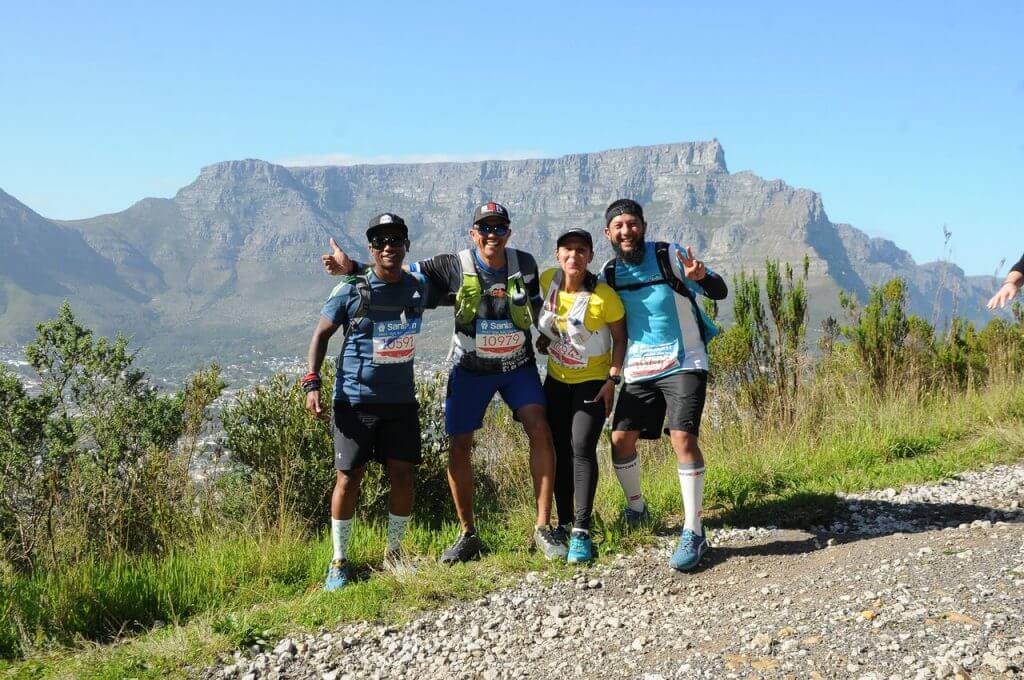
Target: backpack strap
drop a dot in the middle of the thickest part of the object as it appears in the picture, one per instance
(662, 254)
(608, 270)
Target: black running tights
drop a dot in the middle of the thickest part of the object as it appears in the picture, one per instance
(576, 428)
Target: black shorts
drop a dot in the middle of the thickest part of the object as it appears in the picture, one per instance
(642, 406)
(365, 432)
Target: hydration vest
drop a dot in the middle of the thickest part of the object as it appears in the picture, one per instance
(708, 329)
(587, 342)
(470, 293)
(361, 282)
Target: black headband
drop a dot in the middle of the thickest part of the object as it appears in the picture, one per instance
(623, 207)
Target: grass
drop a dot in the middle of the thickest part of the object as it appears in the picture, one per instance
(232, 590)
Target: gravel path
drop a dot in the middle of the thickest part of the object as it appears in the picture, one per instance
(925, 582)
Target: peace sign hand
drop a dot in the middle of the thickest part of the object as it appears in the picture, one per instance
(693, 268)
(337, 262)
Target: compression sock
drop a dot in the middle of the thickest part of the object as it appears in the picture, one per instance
(341, 529)
(396, 530)
(691, 483)
(628, 473)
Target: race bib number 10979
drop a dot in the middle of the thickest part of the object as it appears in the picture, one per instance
(498, 339)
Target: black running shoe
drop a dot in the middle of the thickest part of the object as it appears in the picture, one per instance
(467, 547)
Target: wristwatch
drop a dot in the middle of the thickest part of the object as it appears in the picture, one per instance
(616, 379)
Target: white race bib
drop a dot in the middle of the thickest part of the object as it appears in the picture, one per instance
(498, 339)
(394, 342)
(566, 354)
(645, 361)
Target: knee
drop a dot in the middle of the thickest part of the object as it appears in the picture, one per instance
(535, 423)
(403, 476)
(685, 443)
(348, 481)
(460, 449)
(623, 445)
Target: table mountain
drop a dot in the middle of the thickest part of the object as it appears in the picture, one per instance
(231, 261)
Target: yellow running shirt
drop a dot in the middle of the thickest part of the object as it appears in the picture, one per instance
(604, 307)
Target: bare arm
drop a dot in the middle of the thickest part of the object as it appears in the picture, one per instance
(618, 331)
(1011, 286)
(315, 359)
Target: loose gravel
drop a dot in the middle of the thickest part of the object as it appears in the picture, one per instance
(918, 583)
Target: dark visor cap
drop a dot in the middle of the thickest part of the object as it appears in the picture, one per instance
(380, 222)
(576, 233)
(491, 209)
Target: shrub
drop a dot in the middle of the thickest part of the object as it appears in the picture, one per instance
(89, 466)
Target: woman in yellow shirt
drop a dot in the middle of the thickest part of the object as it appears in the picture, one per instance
(583, 332)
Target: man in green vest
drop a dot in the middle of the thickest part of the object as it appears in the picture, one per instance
(497, 296)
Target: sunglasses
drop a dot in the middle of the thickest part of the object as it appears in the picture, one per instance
(380, 242)
(496, 229)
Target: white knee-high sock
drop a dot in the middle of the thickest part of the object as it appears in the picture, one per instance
(628, 473)
(396, 530)
(691, 483)
(341, 529)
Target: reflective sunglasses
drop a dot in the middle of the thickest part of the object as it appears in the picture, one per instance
(496, 229)
(380, 242)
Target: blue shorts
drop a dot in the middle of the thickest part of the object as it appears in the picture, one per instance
(470, 393)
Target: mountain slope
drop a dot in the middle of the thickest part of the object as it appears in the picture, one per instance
(231, 261)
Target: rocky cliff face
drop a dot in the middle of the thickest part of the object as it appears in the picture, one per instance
(232, 259)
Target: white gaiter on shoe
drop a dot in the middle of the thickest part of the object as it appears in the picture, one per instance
(396, 530)
(691, 483)
(629, 477)
(341, 529)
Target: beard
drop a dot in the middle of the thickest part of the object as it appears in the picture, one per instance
(635, 256)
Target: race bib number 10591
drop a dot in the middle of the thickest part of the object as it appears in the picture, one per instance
(394, 342)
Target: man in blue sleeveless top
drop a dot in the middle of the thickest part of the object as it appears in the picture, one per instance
(375, 415)
(666, 364)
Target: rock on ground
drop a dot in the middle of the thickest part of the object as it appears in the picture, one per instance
(918, 583)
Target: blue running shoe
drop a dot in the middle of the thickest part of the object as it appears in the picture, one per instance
(337, 575)
(689, 551)
(581, 548)
(633, 518)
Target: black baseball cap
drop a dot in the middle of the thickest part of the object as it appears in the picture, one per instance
(623, 206)
(491, 209)
(379, 222)
(576, 233)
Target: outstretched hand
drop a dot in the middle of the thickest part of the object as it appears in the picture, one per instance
(693, 268)
(1005, 293)
(337, 262)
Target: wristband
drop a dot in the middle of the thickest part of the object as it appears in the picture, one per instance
(311, 386)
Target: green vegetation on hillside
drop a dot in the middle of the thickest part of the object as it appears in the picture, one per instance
(106, 537)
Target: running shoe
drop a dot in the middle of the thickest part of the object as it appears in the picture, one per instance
(545, 539)
(581, 548)
(467, 547)
(337, 575)
(562, 532)
(633, 518)
(689, 551)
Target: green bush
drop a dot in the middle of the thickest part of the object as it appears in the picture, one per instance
(89, 467)
(288, 456)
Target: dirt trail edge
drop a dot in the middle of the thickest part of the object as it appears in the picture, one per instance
(924, 582)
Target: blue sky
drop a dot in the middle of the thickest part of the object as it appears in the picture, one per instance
(905, 116)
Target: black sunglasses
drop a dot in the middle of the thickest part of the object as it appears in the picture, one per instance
(380, 242)
(496, 229)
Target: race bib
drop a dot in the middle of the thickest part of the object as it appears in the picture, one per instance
(566, 354)
(498, 339)
(394, 342)
(645, 361)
